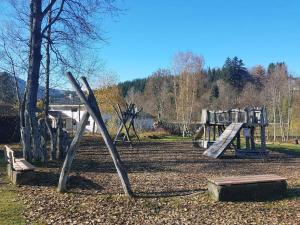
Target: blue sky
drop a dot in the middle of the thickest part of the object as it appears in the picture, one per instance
(150, 32)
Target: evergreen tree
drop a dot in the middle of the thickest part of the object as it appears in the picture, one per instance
(271, 69)
(138, 85)
(235, 73)
(214, 74)
(215, 91)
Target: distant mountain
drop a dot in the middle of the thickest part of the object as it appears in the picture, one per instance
(22, 85)
(41, 93)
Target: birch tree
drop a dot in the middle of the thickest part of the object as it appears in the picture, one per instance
(188, 67)
(276, 86)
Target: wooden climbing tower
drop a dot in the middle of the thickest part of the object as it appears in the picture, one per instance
(221, 129)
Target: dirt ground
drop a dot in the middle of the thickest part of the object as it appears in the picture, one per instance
(169, 180)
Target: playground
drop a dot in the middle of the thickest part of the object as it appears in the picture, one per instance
(230, 179)
(169, 180)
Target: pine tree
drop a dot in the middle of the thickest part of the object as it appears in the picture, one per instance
(235, 73)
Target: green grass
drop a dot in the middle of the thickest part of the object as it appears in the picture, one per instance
(162, 137)
(10, 207)
(284, 147)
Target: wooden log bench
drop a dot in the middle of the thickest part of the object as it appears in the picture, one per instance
(18, 169)
(247, 188)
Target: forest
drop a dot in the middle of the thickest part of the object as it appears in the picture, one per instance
(180, 93)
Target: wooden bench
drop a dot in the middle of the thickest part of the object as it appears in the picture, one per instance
(247, 188)
(18, 169)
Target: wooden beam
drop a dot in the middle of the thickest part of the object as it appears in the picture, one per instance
(93, 109)
(124, 117)
(71, 153)
(263, 137)
(238, 140)
(252, 141)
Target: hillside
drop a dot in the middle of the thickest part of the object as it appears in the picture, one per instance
(7, 86)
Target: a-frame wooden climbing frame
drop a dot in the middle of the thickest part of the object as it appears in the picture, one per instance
(126, 117)
(93, 110)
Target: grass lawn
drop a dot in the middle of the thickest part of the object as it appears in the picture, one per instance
(272, 146)
(162, 137)
(10, 207)
(284, 148)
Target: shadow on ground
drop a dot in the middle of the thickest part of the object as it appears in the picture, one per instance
(293, 192)
(171, 193)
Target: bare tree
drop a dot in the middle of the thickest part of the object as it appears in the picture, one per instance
(158, 93)
(276, 86)
(188, 67)
(65, 27)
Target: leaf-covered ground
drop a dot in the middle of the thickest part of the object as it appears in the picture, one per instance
(169, 180)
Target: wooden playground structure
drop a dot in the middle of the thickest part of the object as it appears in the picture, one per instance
(92, 109)
(220, 129)
(126, 117)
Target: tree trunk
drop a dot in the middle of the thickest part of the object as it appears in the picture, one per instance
(52, 139)
(59, 136)
(274, 121)
(47, 126)
(290, 109)
(33, 78)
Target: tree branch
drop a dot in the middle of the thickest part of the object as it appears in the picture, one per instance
(46, 10)
(56, 17)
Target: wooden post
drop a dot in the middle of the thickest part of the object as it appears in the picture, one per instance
(219, 130)
(59, 138)
(131, 124)
(252, 133)
(79, 113)
(118, 132)
(238, 140)
(94, 126)
(263, 137)
(123, 116)
(11, 160)
(124, 120)
(127, 117)
(247, 134)
(71, 153)
(53, 139)
(214, 137)
(93, 109)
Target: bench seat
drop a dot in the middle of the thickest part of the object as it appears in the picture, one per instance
(18, 169)
(246, 188)
(22, 165)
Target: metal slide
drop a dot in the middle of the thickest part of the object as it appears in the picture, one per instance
(219, 147)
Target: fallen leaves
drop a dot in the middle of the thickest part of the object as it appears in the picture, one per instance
(169, 180)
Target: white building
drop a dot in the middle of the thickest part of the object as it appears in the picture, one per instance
(71, 111)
